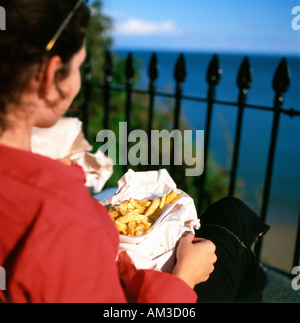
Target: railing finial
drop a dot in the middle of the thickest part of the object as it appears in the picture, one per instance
(244, 79)
(214, 71)
(153, 68)
(180, 72)
(282, 77)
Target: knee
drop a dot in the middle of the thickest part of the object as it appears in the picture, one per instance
(227, 209)
(230, 207)
(231, 201)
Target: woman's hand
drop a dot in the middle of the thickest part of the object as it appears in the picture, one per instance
(195, 259)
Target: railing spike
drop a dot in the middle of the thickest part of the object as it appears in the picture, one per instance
(153, 68)
(244, 79)
(180, 72)
(282, 77)
(214, 71)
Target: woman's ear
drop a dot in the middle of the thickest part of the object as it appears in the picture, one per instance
(48, 88)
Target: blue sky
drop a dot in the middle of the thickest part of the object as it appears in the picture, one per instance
(261, 26)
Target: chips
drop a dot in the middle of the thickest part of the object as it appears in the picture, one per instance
(135, 217)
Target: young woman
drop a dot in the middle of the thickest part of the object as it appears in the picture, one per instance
(57, 244)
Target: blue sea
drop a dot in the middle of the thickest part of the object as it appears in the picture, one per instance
(285, 192)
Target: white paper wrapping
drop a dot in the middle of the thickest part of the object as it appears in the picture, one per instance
(66, 140)
(156, 250)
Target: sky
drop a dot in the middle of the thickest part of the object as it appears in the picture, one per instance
(260, 26)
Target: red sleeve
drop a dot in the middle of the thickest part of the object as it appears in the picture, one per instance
(73, 262)
(149, 286)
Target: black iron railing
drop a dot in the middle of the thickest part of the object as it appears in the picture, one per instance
(281, 82)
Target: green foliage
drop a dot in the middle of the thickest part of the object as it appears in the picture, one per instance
(98, 39)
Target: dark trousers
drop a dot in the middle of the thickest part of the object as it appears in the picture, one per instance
(233, 228)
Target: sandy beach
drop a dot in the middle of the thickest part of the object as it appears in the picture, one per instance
(278, 246)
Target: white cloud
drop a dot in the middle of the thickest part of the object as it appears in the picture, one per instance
(113, 14)
(138, 27)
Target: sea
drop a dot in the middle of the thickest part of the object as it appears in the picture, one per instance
(284, 206)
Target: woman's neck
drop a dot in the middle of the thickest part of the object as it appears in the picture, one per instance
(17, 134)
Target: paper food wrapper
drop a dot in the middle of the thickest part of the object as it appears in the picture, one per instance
(156, 250)
(66, 140)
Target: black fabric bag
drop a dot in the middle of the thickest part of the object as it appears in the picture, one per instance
(233, 228)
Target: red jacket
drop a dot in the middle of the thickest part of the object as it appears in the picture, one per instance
(57, 244)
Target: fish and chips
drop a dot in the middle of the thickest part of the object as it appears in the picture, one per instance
(135, 217)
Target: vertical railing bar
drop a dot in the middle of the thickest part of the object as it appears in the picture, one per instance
(244, 82)
(208, 123)
(236, 149)
(296, 260)
(153, 75)
(270, 164)
(180, 73)
(281, 84)
(129, 73)
(106, 89)
(213, 77)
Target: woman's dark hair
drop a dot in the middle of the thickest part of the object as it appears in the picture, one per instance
(30, 25)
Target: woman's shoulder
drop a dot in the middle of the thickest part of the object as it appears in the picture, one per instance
(38, 171)
(44, 184)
